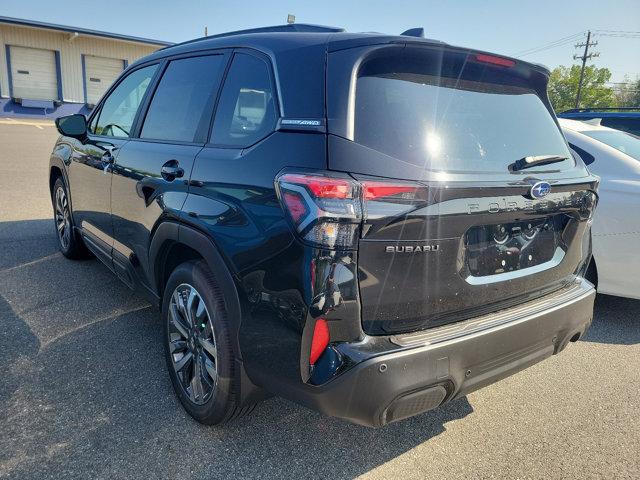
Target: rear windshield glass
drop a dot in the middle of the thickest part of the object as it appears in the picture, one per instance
(434, 114)
(624, 142)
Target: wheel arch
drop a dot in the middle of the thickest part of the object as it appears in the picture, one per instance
(57, 170)
(171, 237)
(174, 243)
(54, 173)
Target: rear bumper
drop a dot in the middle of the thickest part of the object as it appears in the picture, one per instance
(432, 367)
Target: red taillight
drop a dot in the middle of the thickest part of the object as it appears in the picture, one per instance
(295, 204)
(373, 190)
(319, 341)
(322, 187)
(493, 60)
(327, 210)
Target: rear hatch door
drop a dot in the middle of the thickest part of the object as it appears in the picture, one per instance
(453, 227)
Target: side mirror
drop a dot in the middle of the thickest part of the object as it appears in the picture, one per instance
(72, 125)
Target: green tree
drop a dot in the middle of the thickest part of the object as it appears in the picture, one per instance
(563, 88)
(628, 93)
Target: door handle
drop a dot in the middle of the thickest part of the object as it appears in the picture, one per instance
(171, 170)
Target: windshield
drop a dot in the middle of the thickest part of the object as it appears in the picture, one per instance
(454, 124)
(624, 142)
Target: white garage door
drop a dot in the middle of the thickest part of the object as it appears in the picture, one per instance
(100, 73)
(33, 73)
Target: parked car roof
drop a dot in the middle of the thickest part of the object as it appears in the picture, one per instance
(625, 119)
(602, 112)
(579, 126)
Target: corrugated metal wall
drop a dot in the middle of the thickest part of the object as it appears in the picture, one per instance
(70, 54)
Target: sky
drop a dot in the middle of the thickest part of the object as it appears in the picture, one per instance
(544, 30)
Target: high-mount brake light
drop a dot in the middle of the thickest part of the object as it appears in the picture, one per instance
(494, 60)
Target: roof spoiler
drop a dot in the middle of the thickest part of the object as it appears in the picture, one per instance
(414, 32)
(601, 109)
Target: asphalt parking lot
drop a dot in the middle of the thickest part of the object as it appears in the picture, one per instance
(84, 393)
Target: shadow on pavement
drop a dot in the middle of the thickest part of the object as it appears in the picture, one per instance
(14, 354)
(85, 392)
(616, 320)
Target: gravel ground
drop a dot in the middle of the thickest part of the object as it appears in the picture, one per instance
(84, 393)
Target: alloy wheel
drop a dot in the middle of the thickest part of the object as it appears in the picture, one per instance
(192, 344)
(63, 218)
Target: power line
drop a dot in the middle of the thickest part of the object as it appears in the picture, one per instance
(618, 31)
(571, 38)
(553, 44)
(558, 42)
(619, 35)
(542, 49)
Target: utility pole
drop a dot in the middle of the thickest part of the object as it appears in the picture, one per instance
(584, 57)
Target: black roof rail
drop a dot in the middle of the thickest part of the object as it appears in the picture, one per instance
(600, 109)
(290, 27)
(414, 32)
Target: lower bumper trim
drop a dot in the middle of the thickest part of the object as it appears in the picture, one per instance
(395, 385)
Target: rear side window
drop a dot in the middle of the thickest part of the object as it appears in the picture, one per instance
(246, 111)
(118, 111)
(586, 157)
(181, 106)
(442, 112)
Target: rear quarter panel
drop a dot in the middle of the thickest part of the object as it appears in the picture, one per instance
(233, 200)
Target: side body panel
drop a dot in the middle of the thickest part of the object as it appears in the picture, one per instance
(142, 197)
(89, 174)
(232, 199)
(616, 224)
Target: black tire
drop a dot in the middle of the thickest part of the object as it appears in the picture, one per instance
(220, 404)
(69, 240)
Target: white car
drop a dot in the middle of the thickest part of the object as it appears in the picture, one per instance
(614, 156)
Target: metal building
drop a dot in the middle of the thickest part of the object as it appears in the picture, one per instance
(43, 65)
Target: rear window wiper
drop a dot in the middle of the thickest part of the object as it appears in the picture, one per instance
(535, 160)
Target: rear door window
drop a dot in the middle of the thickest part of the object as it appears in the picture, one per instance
(442, 114)
(246, 111)
(181, 106)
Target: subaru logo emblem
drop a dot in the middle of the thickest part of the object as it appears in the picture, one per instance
(539, 190)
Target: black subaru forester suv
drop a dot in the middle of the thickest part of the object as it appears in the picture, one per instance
(369, 225)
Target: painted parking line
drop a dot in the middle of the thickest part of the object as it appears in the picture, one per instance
(34, 123)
